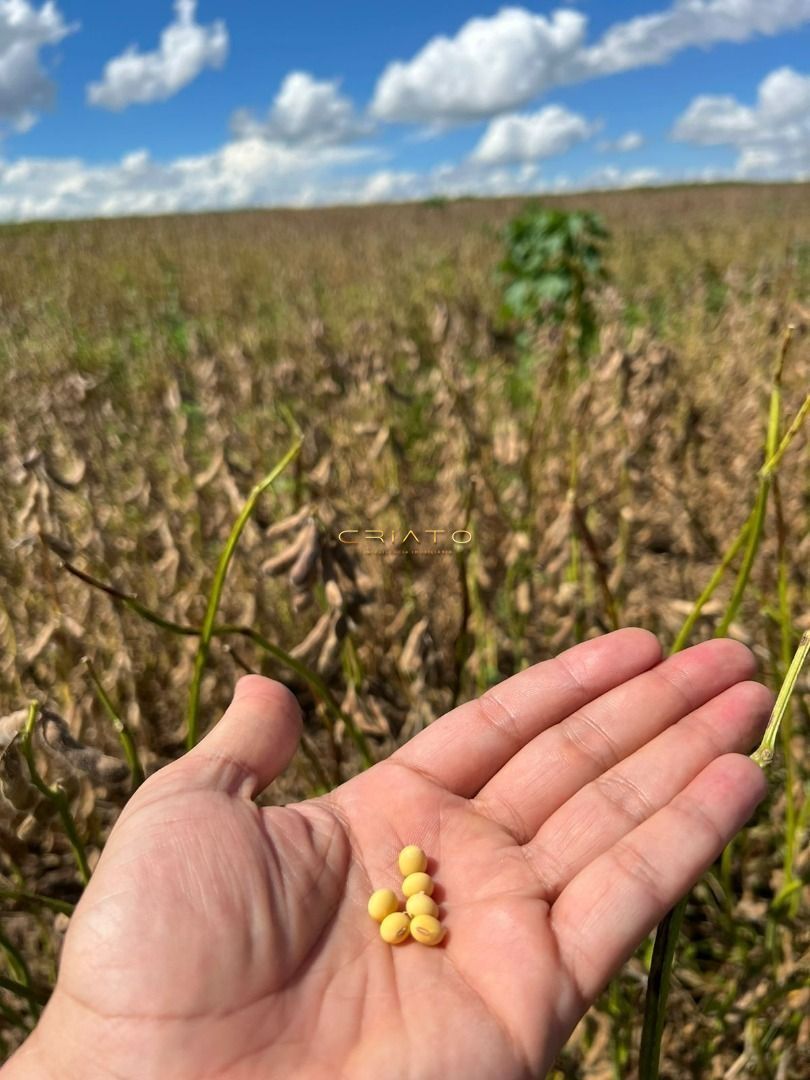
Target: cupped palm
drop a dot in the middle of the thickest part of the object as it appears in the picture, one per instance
(562, 814)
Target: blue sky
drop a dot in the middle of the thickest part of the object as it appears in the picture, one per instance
(171, 104)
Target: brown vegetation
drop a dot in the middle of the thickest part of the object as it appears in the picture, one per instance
(145, 370)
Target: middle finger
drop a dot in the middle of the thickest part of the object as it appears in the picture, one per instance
(558, 762)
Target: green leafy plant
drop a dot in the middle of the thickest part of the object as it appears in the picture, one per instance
(554, 266)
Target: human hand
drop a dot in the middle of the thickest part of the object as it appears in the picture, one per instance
(564, 813)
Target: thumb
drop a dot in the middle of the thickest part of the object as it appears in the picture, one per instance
(253, 742)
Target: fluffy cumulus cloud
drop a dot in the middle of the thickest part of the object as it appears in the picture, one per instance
(653, 39)
(186, 48)
(304, 149)
(491, 65)
(499, 63)
(305, 112)
(24, 31)
(772, 136)
(528, 137)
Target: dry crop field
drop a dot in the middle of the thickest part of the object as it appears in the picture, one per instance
(150, 374)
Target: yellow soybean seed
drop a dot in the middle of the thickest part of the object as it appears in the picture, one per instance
(381, 903)
(426, 929)
(412, 860)
(421, 904)
(416, 883)
(395, 928)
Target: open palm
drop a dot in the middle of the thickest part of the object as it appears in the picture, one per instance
(563, 813)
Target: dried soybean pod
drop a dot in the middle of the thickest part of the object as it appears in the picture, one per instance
(305, 562)
(416, 883)
(101, 767)
(382, 902)
(288, 525)
(412, 860)
(395, 928)
(286, 557)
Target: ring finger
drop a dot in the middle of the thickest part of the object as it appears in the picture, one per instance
(613, 804)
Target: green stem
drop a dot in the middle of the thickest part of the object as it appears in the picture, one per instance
(465, 641)
(63, 907)
(772, 464)
(785, 651)
(731, 553)
(130, 601)
(124, 734)
(761, 504)
(666, 937)
(57, 797)
(313, 680)
(754, 536)
(216, 589)
(763, 755)
(31, 994)
(655, 1002)
(18, 967)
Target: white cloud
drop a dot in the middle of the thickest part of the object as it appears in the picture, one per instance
(448, 180)
(244, 172)
(610, 177)
(491, 65)
(527, 137)
(255, 172)
(499, 63)
(653, 39)
(631, 140)
(772, 136)
(470, 178)
(304, 112)
(24, 86)
(186, 48)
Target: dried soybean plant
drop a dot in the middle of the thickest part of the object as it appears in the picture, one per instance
(156, 403)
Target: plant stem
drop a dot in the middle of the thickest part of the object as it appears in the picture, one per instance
(57, 797)
(31, 994)
(124, 734)
(763, 755)
(313, 680)
(655, 1002)
(761, 504)
(62, 907)
(685, 631)
(573, 572)
(18, 968)
(785, 651)
(772, 464)
(216, 589)
(465, 640)
(130, 601)
(666, 937)
(592, 547)
(311, 754)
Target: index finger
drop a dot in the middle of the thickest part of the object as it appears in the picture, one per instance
(470, 744)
